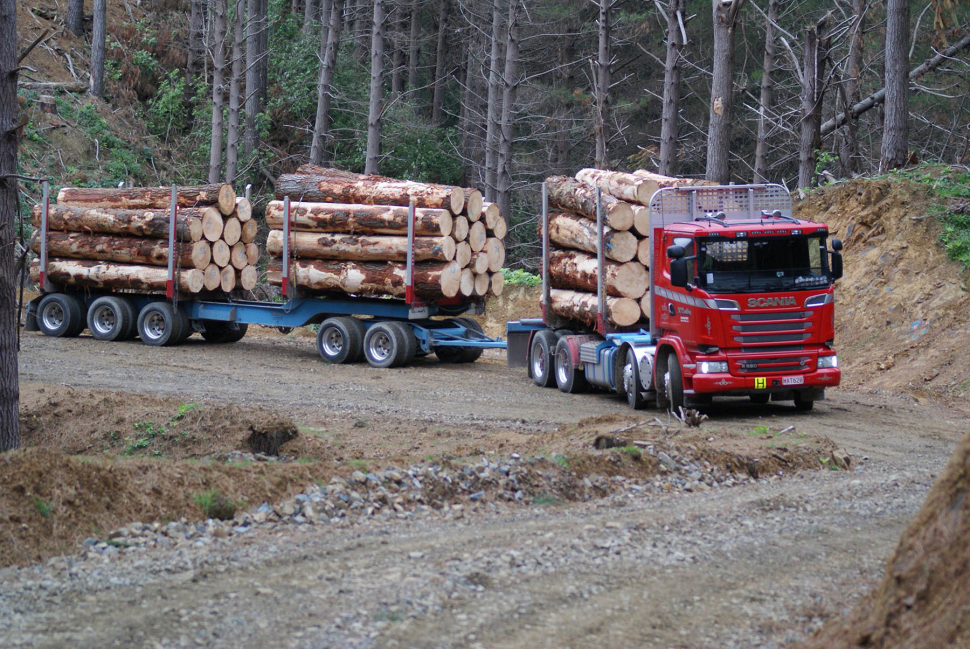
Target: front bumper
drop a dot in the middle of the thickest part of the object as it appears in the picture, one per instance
(728, 383)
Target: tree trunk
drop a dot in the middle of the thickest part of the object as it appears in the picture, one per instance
(719, 129)
(628, 187)
(671, 104)
(414, 43)
(320, 147)
(75, 17)
(360, 219)
(852, 84)
(578, 270)
(578, 233)
(503, 194)
(218, 53)
(262, 77)
(98, 35)
(9, 315)
(372, 164)
(320, 245)
(196, 51)
(604, 54)
(253, 28)
(571, 195)
(431, 280)
(122, 250)
(369, 191)
(895, 137)
(584, 307)
(139, 223)
(235, 82)
(96, 274)
(151, 198)
(397, 47)
(815, 55)
(767, 91)
(492, 108)
(438, 100)
(310, 14)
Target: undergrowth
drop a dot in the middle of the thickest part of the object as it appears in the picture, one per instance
(949, 189)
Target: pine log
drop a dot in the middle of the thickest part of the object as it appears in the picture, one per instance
(623, 186)
(252, 253)
(237, 256)
(571, 195)
(323, 245)
(643, 252)
(212, 224)
(491, 213)
(482, 283)
(495, 250)
(578, 233)
(477, 236)
(369, 190)
(641, 220)
(221, 253)
(463, 253)
(500, 229)
(432, 280)
(150, 198)
(578, 270)
(244, 209)
(473, 204)
(497, 284)
(212, 277)
(248, 278)
(139, 223)
(459, 230)
(581, 306)
(645, 306)
(467, 284)
(249, 230)
(122, 250)
(97, 274)
(232, 230)
(227, 280)
(317, 170)
(360, 219)
(478, 262)
(668, 181)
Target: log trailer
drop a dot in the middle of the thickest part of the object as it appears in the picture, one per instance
(392, 334)
(741, 303)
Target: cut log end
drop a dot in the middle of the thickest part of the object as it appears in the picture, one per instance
(467, 284)
(227, 280)
(643, 252)
(473, 204)
(249, 230)
(237, 256)
(477, 236)
(482, 283)
(212, 277)
(497, 284)
(463, 253)
(212, 224)
(641, 220)
(227, 199)
(201, 254)
(500, 229)
(491, 214)
(244, 209)
(232, 231)
(495, 250)
(221, 253)
(248, 277)
(460, 228)
(252, 253)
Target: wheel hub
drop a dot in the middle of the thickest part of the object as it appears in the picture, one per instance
(104, 320)
(155, 326)
(381, 346)
(333, 342)
(53, 316)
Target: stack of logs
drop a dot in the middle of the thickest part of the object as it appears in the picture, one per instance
(626, 242)
(118, 238)
(349, 234)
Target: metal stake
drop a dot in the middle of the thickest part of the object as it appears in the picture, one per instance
(170, 282)
(286, 246)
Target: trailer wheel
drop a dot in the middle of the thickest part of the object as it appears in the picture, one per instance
(186, 329)
(470, 354)
(384, 345)
(542, 358)
(111, 318)
(410, 341)
(60, 315)
(674, 384)
(802, 402)
(761, 398)
(159, 324)
(569, 378)
(339, 341)
(631, 382)
(220, 331)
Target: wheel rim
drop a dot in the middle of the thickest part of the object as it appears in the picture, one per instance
(53, 316)
(562, 365)
(668, 389)
(628, 384)
(380, 346)
(332, 341)
(538, 362)
(155, 325)
(103, 321)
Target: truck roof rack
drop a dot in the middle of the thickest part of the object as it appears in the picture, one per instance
(737, 202)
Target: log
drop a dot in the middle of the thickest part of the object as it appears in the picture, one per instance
(491, 214)
(623, 186)
(643, 252)
(578, 233)
(577, 305)
(578, 271)
(497, 284)
(360, 219)
(482, 283)
(641, 220)
(139, 223)
(212, 277)
(248, 278)
(232, 231)
(221, 253)
(150, 198)
(669, 181)
(249, 231)
(244, 209)
(571, 195)
(432, 280)
(467, 284)
(237, 256)
(463, 253)
(477, 236)
(645, 306)
(212, 224)
(478, 262)
(495, 251)
(369, 190)
(323, 245)
(252, 253)
(500, 229)
(459, 230)
(98, 274)
(227, 280)
(473, 204)
(122, 250)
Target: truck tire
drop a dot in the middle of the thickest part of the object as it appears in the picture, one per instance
(410, 341)
(631, 382)
(111, 318)
(569, 378)
(60, 315)
(470, 354)
(186, 329)
(340, 341)
(384, 345)
(674, 384)
(220, 331)
(159, 324)
(542, 358)
(802, 402)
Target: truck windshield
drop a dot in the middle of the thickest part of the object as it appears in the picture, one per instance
(768, 264)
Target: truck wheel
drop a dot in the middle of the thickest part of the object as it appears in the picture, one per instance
(802, 402)
(60, 315)
(541, 358)
(186, 328)
(760, 399)
(569, 378)
(410, 341)
(631, 382)
(220, 331)
(470, 354)
(339, 341)
(111, 318)
(384, 345)
(159, 324)
(674, 384)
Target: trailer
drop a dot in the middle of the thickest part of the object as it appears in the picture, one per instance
(385, 332)
(741, 303)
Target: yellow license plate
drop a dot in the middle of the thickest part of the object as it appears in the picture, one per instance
(760, 383)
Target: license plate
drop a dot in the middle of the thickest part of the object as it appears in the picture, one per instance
(793, 380)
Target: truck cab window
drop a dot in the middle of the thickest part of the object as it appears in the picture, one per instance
(770, 263)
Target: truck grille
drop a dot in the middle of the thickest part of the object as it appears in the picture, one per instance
(787, 364)
(764, 329)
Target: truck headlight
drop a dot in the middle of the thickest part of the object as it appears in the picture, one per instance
(825, 362)
(713, 367)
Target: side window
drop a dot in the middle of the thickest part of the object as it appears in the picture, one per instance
(687, 243)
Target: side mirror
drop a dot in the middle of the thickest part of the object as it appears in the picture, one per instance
(675, 252)
(837, 245)
(678, 272)
(836, 263)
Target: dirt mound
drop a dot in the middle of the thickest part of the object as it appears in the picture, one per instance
(924, 597)
(515, 303)
(903, 309)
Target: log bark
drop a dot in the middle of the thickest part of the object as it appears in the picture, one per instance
(473, 204)
(478, 262)
(577, 270)
(227, 279)
(212, 277)
(248, 278)
(584, 307)
(431, 280)
(477, 236)
(153, 224)
(491, 214)
(238, 257)
(497, 283)
(482, 283)
(571, 195)
(212, 224)
(360, 219)
(495, 251)
(148, 198)
(122, 250)
(249, 231)
(578, 233)
(252, 253)
(232, 230)
(463, 253)
(467, 284)
(369, 190)
(618, 184)
(97, 274)
(460, 229)
(244, 209)
(320, 245)
(221, 253)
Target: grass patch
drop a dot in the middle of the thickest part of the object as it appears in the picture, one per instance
(950, 205)
(545, 499)
(43, 508)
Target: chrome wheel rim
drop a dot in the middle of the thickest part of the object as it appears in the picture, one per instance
(538, 362)
(103, 321)
(333, 341)
(53, 316)
(155, 325)
(380, 346)
(562, 362)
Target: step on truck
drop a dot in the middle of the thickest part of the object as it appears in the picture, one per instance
(741, 304)
(384, 332)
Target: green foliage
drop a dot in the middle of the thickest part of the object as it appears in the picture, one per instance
(950, 193)
(43, 508)
(825, 160)
(167, 110)
(561, 460)
(546, 499)
(633, 451)
(214, 505)
(183, 410)
(519, 277)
